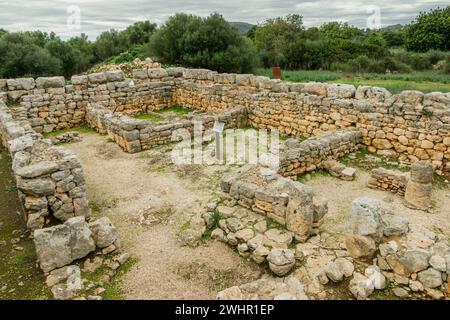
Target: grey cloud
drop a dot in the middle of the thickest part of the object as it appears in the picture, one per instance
(100, 15)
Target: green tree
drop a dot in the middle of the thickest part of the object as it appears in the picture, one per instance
(109, 43)
(21, 56)
(202, 42)
(277, 38)
(138, 33)
(430, 30)
(338, 30)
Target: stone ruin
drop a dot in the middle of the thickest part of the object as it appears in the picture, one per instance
(414, 186)
(338, 119)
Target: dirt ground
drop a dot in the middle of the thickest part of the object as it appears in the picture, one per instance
(340, 194)
(130, 187)
(148, 199)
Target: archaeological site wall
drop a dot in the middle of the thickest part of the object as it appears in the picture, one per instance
(50, 179)
(411, 125)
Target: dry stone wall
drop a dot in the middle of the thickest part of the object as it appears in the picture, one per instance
(49, 179)
(134, 135)
(390, 180)
(411, 126)
(309, 155)
(50, 104)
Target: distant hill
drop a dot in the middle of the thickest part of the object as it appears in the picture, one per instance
(243, 27)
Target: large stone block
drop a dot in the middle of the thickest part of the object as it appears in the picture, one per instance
(50, 82)
(60, 245)
(300, 211)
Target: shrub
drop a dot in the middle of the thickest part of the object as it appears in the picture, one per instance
(198, 42)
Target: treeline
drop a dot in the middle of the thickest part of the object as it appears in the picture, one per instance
(41, 54)
(213, 43)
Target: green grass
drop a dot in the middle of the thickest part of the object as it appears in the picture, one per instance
(158, 115)
(176, 108)
(81, 129)
(148, 117)
(425, 81)
(13, 105)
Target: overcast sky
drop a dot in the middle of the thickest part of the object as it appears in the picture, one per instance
(99, 15)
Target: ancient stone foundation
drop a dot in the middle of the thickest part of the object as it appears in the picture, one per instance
(389, 180)
(49, 179)
(411, 126)
(134, 135)
(287, 202)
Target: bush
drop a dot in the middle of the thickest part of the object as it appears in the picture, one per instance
(430, 30)
(198, 42)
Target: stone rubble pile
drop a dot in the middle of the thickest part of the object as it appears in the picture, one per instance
(266, 288)
(410, 255)
(66, 138)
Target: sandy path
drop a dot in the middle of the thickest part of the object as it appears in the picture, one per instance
(121, 186)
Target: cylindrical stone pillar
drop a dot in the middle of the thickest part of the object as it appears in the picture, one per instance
(419, 187)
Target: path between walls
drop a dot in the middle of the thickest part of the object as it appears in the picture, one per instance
(121, 186)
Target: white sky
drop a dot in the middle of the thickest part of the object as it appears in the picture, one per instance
(100, 15)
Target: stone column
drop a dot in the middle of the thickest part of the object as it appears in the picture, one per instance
(418, 189)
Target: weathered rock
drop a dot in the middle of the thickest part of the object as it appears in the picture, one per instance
(408, 262)
(378, 280)
(345, 266)
(193, 233)
(244, 234)
(438, 263)
(218, 234)
(261, 226)
(415, 286)
(281, 261)
(365, 216)
(334, 272)
(360, 246)
(233, 293)
(388, 248)
(122, 258)
(300, 211)
(60, 245)
(360, 286)
(50, 82)
(394, 225)
(400, 292)
(37, 187)
(260, 254)
(103, 232)
(60, 275)
(430, 278)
